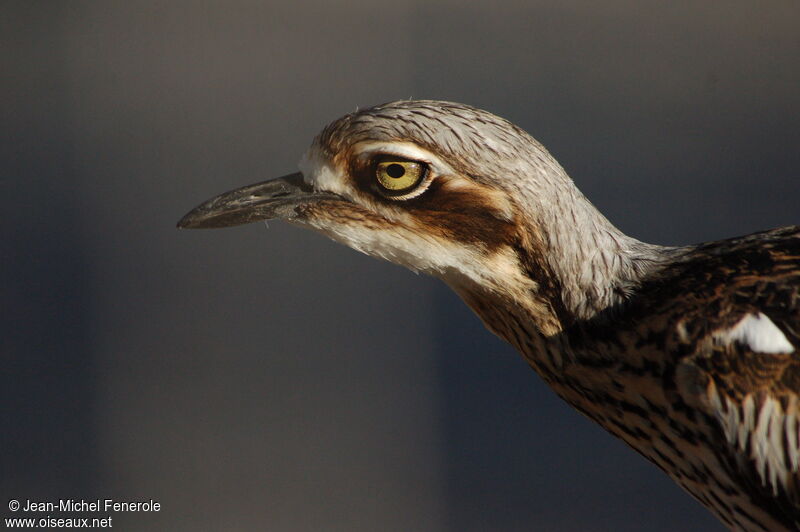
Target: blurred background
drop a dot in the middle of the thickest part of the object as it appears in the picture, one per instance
(247, 379)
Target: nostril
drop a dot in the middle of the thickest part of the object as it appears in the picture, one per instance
(255, 196)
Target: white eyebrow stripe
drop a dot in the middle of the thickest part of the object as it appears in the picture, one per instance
(759, 333)
(407, 150)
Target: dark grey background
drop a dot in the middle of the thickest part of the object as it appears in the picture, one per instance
(254, 379)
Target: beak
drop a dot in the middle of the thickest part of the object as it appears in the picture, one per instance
(276, 198)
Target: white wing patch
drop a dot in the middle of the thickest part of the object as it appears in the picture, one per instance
(759, 333)
(765, 431)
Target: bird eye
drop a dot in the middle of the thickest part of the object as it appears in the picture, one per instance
(396, 176)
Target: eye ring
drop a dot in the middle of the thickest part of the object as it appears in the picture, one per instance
(395, 176)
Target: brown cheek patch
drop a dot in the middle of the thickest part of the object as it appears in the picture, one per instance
(468, 213)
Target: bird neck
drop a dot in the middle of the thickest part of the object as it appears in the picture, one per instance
(594, 265)
(569, 264)
(560, 283)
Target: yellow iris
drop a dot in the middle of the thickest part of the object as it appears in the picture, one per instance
(399, 175)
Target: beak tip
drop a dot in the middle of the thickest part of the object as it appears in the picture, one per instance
(187, 222)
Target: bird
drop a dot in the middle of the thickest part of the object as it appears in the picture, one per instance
(689, 354)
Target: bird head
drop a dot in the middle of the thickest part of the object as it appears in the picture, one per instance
(437, 187)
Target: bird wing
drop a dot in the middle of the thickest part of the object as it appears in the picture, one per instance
(734, 329)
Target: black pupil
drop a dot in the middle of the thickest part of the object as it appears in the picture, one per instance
(395, 170)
